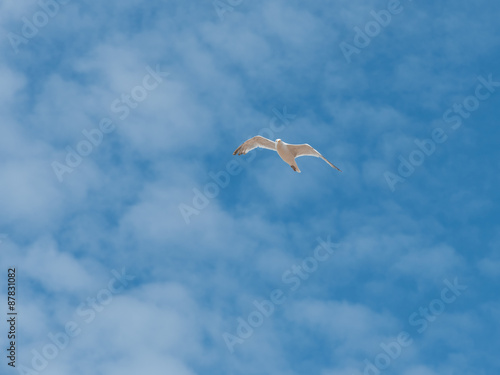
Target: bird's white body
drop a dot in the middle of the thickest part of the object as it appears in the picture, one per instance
(286, 151)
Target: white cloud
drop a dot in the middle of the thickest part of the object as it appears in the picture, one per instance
(54, 270)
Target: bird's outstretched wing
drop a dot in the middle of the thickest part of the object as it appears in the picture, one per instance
(255, 142)
(306, 150)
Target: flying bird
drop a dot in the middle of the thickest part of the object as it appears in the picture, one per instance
(286, 151)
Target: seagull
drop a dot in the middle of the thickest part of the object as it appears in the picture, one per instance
(286, 151)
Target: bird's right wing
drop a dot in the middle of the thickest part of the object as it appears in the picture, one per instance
(255, 142)
(306, 150)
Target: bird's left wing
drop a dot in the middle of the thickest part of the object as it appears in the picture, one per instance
(255, 142)
(306, 150)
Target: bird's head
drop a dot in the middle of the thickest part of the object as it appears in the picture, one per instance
(278, 140)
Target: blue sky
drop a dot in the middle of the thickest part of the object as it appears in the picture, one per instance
(142, 245)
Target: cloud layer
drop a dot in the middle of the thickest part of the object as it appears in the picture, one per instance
(142, 104)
